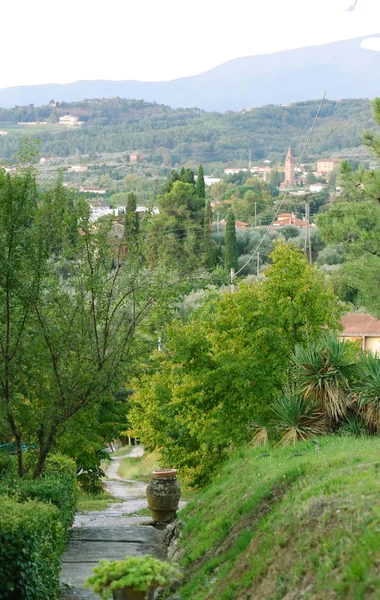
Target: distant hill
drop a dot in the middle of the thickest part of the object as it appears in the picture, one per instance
(169, 137)
(343, 69)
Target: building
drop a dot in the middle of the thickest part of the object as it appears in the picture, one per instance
(290, 219)
(362, 328)
(69, 120)
(135, 158)
(78, 169)
(317, 187)
(234, 171)
(2, 132)
(289, 167)
(327, 165)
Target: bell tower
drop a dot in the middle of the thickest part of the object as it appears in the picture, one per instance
(289, 167)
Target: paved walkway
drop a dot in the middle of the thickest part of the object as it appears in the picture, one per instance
(112, 533)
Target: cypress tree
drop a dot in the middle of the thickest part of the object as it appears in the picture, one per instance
(200, 187)
(231, 256)
(131, 222)
(207, 240)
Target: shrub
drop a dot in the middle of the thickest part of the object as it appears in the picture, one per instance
(57, 485)
(138, 572)
(298, 418)
(31, 541)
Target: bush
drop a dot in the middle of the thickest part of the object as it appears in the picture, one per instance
(57, 485)
(31, 542)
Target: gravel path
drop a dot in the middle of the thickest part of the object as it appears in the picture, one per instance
(108, 533)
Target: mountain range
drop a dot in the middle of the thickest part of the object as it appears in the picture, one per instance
(343, 69)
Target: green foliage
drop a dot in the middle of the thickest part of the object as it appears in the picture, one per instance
(177, 136)
(353, 222)
(368, 388)
(220, 371)
(57, 485)
(323, 370)
(131, 222)
(231, 255)
(200, 187)
(136, 572)
(297, 418)
(31, 541)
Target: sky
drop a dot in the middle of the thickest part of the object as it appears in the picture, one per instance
(154, 40)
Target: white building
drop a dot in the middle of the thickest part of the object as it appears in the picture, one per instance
(69, 120)
(2, 132)
(317, 187)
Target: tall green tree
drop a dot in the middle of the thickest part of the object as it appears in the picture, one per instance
(207, 237)
(222, 369)
(231, 256)
(131, 223)
(64, 339)
(200, 187)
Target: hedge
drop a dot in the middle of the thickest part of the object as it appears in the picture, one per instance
(57, 485)
(31, 542)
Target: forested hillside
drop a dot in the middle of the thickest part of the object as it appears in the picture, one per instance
(168, 137)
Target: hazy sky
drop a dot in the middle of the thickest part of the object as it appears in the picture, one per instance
(60, 42)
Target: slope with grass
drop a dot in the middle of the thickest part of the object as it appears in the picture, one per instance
(288, 524)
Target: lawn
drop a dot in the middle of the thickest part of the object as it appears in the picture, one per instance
(288, 523)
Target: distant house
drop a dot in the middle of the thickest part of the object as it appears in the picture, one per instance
(363, 328)
(317, 187)
(69, 120)
(290, 219)
(92, 190)
(135, 158)
(234, 171)
(328, 165)
(3, 132)
(78, 168)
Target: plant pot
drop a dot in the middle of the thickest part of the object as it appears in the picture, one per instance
(132, 594)
(163, 494)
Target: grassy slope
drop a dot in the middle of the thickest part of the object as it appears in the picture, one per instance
(292, 525)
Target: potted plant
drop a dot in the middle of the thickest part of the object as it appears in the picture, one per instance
(133, 578)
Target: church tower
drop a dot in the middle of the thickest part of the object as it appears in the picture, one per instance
(289, 167)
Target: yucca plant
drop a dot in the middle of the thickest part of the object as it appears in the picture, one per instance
(297, 418)
(368, 389)
(260, 430)
(322, 371)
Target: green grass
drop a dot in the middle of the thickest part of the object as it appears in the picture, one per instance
(89, 502)
(288, 526)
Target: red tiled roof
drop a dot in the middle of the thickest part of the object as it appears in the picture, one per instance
(365, 324)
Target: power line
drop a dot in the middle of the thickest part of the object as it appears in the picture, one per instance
(289, 185)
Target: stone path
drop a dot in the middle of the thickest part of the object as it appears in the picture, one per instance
(109, 533)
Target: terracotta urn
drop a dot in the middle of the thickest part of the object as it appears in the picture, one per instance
(132, 594)
(163, 494)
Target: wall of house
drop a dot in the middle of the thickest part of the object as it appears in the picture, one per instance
(373, 345)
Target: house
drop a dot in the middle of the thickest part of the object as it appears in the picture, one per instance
(234, 171)
(317, 187)
(290, 219)
(3, 132)
(69, 120)
(78, 169)
(363, 328)
(327, 165)
(135, 158)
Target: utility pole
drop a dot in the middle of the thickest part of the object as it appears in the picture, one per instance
(249, 159)
(307, 232)
(255, 214)
(217, 221)
(232, 273)
(258, 263)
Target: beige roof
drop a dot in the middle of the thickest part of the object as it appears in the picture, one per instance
(357, 324)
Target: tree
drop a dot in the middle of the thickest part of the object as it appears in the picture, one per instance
(200, 188)
(231, 256)
(207, 237)
(131, 222)
(221, 370)
(65, 340)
